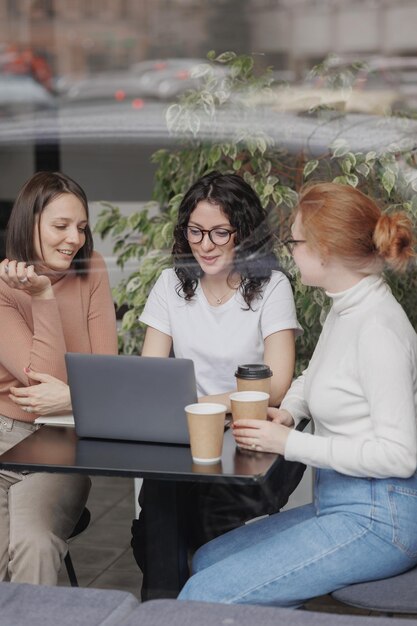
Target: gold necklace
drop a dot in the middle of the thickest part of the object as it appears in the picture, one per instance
(219, 299)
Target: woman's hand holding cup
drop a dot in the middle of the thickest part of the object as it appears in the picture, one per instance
(260, 435)
(280, 416)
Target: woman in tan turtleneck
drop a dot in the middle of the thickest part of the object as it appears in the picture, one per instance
(54, 298)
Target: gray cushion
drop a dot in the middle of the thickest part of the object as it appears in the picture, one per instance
(38, 605)
(181, 613)
(397, 594)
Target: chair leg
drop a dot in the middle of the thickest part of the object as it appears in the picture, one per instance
(70, 570)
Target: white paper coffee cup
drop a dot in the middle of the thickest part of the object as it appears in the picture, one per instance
(206, 427)
(249, 405)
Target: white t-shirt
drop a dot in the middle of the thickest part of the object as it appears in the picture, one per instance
(360, 388)
(219, 338)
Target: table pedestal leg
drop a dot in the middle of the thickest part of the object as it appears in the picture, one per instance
(166, 567)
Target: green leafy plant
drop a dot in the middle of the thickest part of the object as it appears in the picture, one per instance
(206, 141)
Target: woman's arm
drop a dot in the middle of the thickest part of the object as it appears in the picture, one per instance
(156, 343)
(279, 354)
(47, 393)
(42, 347)
(219, 398)
(101, 314)
(386, 445)
(50, 396)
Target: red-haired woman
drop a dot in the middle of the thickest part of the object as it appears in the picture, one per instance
(360, 389)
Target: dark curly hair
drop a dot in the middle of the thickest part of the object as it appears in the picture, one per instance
(254, 259)
(41, 189)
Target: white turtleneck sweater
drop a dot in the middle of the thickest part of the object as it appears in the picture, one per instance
(360, 388)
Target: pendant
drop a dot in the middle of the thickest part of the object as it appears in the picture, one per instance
(219, 300)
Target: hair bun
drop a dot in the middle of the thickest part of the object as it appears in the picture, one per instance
(393, 240)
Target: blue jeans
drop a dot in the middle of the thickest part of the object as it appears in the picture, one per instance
(357, 529)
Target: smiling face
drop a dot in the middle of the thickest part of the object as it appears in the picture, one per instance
(61, 233)
(213, 259)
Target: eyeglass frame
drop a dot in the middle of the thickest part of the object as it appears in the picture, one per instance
(291, 243)
(204, 231)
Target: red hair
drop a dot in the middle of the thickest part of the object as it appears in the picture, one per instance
(339, 220)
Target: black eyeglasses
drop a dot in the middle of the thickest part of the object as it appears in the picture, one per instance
(291, 243)
(218, 236)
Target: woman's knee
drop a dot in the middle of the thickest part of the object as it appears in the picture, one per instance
(195, 588)
(38, 543)
(202, 558)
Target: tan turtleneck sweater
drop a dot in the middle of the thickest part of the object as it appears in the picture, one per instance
(37, 333)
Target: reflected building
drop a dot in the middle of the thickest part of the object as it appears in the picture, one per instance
(80, 37)
(297, 34)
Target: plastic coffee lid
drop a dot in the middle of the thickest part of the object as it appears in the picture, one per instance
(253, 371)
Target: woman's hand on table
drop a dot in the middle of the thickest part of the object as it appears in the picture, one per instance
(261, 435)
(18, 275)
(48, 397)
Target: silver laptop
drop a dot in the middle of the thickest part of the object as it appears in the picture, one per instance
(131, 397)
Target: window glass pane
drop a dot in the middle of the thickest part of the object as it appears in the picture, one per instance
(85, 84)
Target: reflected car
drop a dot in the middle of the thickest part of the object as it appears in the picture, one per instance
(23, 94)
(157, 79)
(167, 79)
(105, 87)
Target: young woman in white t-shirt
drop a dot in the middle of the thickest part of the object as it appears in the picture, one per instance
(225, 303)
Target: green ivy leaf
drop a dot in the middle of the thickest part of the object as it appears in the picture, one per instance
(232, 151)
(349, 162)
(215, 155)
(341, 180)
(346, 166)
(340, 148)
(388, 181)
(363, 169)
(277, 197)
(309, 167)
(226, 57)
(290, 197)
(194, 123)
(167, 233)
(129, 319)
(352, 180)
(133, 284)
(370, 157)
(172, 115)
(261, 144)
(265, 167)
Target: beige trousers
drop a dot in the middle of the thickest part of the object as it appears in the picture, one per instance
(38, 512)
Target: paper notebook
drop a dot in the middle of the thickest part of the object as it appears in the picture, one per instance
(55, 420)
